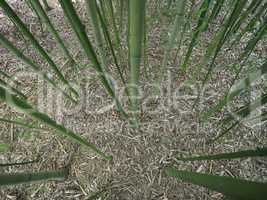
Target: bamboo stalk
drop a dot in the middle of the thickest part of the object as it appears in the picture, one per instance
(19, 163)
(9, 77)
(38, 16)
(19, 178)
(45, 19)
(219, 39)
(136, 20)
(251, 23)
(92, 11)
(21, 123)
(252, 6)
(109, 42)
(233, 187)
(23, 106)
(259, 152)
(24, 30)
(8, 45)
(80, 32)
(46, 6)
(176, 30)
(201, 26)
(112, 21)
(12, 89)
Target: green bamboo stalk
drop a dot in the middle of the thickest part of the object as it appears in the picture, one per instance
(92, 11)
(20, 123)
(201, 26)
(45, 19)
(236, 90)
(251, 44)
(224, 132)
(103, 11)
(19, 178)
(262, 30)
(240, 6)
(110, 45)
(24, 30)
(8, 45)
(34, 10)
(19, 163)
(136, 20)
(11, 89)
(242, 113)
(259, 152)
(233, 187)
(176, 30)
(112, 21)
(216, 10)
(109, 42)
(184, 29)
(219, 39)
(46, 5)
(23, 106)
(121, 15)
(80, 32)
(254, 4)
(4, 147)
(251, 23)
(245, 110)
(2, 73)
(145, 51)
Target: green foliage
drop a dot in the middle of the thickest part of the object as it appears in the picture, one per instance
(232, 187)
(24, 107)
(19, 178)
(4, 147)
(26, 33)
(107, 21)
(136, 21)
(240, 154)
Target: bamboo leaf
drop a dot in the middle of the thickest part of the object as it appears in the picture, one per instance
(232, 187)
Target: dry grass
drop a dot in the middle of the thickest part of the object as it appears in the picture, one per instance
(139, 156)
